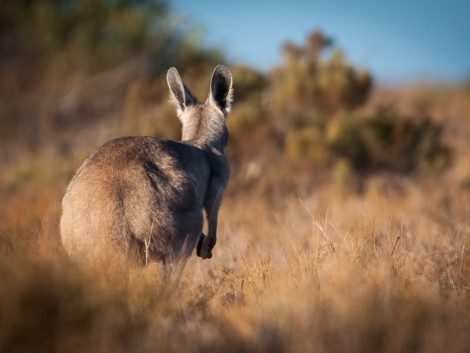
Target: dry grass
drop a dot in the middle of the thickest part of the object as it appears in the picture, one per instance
(385, 271)
(331, 270)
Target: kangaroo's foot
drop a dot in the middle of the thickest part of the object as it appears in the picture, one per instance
(204, 247)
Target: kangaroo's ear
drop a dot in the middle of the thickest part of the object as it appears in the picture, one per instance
(221, 88)
(179, 93)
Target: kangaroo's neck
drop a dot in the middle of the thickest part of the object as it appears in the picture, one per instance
(208, 144)
(206, 131)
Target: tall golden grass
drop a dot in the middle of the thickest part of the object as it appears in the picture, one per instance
(387, 270)
(306, 259)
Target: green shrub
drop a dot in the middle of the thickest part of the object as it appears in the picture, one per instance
(307, 145)
(90, 33)
(248, 83)
(311, 80)
(245, 117)
(148, 112)
(344, 139)
(384, 140)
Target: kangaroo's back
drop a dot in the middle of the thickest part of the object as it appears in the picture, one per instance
(142, 198)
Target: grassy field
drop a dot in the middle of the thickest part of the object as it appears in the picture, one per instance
(328, 269)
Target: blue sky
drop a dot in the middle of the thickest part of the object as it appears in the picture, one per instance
(397, 40)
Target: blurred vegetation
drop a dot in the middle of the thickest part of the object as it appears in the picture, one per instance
(99, 69)
(310, 108)
(68, 65)
(88, 34)
(69, 36)
(389, 140)
(317, 77)
(383, 140)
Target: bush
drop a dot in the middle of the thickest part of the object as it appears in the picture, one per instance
(385, 140)
(404, 144)
(310, 79)
(90, 33)
(245, 117)
(307, 145)
(248, 83)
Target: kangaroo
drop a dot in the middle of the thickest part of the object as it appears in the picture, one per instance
(144, 198)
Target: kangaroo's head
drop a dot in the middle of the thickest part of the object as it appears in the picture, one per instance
(203, 123)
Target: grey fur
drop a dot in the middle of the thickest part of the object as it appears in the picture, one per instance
(144, 196)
